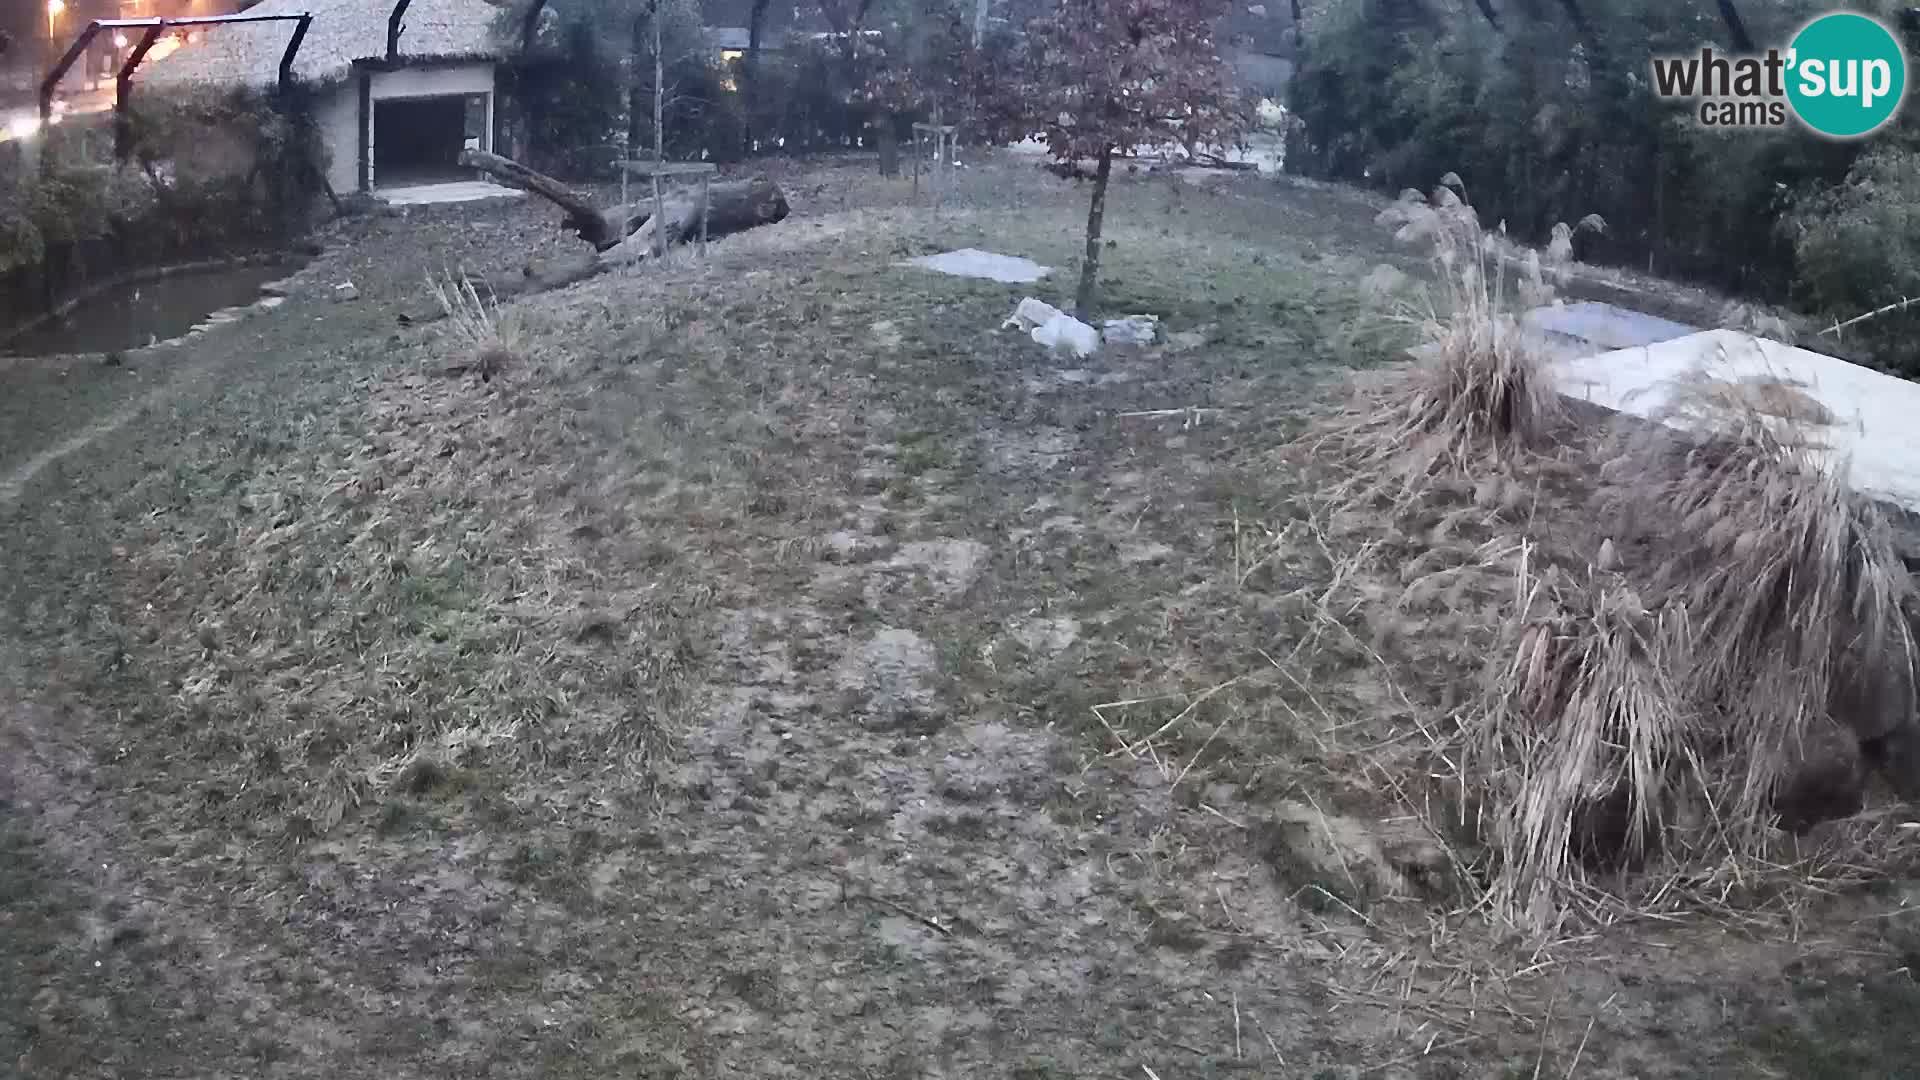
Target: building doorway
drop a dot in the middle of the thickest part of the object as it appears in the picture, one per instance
(417, 140)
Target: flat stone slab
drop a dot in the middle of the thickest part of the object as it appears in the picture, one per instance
(1605, 326)
(457, 192)
(1854, 414)
(1579, 330)
(974, 263)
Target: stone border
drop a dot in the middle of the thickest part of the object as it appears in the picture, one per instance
(272, 295)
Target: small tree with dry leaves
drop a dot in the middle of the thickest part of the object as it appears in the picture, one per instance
(1107, 77)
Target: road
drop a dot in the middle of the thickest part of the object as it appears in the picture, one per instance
(22, 119)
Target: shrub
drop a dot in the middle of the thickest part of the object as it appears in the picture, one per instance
(1857, 248)
(1549, 119)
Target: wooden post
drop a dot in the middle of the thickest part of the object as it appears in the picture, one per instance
(942, 136)
(656, 170)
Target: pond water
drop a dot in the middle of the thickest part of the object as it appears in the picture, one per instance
(135, 314)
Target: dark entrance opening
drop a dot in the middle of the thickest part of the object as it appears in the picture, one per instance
(418, 140)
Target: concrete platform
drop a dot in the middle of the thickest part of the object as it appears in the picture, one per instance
(1602, 327)
(458, 191)
(991, 265)
(1581, 329)
(1868, 420)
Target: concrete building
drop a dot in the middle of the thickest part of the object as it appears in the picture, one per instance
(388, 121)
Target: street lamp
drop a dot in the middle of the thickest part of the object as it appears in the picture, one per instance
(55, 8)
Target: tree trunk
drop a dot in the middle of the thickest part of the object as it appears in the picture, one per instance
(750, 72)
(582, 216)
(735, 205)
(1096, 217)
(887, 134)
(530, 25)
(1299, 29)
(659, 124)
(1736, 27)
(1487, 11)
(636, 48)
(523, 115)
(732, 207)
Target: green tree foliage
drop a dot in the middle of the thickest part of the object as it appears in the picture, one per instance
(1546, 109)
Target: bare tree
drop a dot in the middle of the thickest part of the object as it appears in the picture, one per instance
(1492, 16)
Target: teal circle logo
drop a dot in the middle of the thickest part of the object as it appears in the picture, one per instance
(1846, 75)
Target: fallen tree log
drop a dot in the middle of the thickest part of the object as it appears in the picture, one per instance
(619, 234)
(732, 206)
(582, 216)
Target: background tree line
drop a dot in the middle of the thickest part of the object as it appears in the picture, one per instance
(1546, 109)
(838, 74)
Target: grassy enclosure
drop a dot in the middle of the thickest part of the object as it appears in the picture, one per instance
(764, 666)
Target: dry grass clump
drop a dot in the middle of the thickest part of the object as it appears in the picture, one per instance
(1478, 385)
(1796, 590)
(1681, 730)
(492, 341)
(1583, 752)
(1728, 654)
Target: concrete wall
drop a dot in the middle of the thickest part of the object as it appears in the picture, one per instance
(433, 81)
(339, 111)
(458, 79)
(338, 114)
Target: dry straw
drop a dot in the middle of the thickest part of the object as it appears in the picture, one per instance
(1477, 386)
(1651, 717)
(492, 340)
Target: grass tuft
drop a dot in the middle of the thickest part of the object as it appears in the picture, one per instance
(1478, 386)
(493, 341)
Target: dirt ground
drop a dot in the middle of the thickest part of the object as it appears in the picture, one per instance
(778, 671)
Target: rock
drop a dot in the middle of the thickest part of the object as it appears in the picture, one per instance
(1186, 341)
(276, 288)
(1029, 314)
(1066, 332)
(346, 290)
(1053, 328)
(1132, 330)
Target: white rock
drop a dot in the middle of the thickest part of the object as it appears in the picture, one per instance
(1029, 314)
(346, 290)
(1063, 331)
(1132, 330)
(1053, 328)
